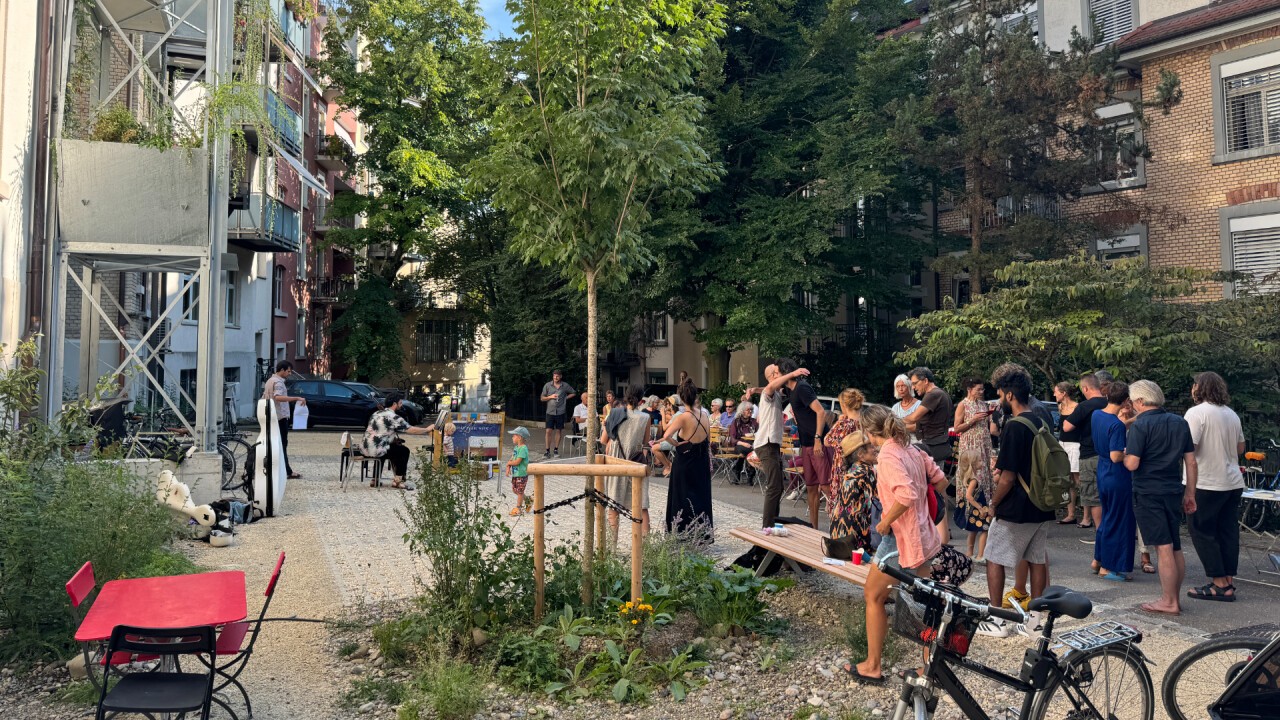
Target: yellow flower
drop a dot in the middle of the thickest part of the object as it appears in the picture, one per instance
(635, 622)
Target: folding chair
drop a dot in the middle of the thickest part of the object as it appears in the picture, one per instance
(231, 644)
(159, 691)
(79, 588)
(350, 454)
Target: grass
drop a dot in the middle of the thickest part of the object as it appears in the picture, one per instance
(854, 620)
(347, 649)
(80, 692)
(370, 689)
(446, 689)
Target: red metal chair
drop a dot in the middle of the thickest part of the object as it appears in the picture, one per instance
(79, 588)
(231, 644)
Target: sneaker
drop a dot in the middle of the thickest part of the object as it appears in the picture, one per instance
(1092, 539)
(994, 627)
(793, 494)
(546, 454)
(1015, 595)
(557, 452)
(1029, 626)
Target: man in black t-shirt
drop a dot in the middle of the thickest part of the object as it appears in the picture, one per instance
(1080, 424)
(931, 422)
(1020, 529)
(811, 418)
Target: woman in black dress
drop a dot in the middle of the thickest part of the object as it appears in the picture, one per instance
(689, 494)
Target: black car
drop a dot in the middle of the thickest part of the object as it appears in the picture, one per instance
(330, 402)
(411, 411)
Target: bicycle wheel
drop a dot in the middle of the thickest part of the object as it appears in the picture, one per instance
(234, 453)
(1198, 676)
(1253, 514)
(1113, 680)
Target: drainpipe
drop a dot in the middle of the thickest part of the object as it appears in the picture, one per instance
(36, 230)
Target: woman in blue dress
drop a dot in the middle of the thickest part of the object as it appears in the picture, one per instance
(1113, 551)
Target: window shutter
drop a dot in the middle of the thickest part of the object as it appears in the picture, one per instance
(1255, 248)
(1115, 16)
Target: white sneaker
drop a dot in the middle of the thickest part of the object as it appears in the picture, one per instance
(994, 627)
(793, 495)
(1029, 626)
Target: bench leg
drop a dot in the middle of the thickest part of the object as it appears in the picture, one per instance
(769, 557)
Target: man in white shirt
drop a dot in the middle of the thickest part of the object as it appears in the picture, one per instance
(580, 414)
(1215, 531)
(768, 442)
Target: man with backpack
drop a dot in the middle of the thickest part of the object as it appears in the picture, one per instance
(1025, 481)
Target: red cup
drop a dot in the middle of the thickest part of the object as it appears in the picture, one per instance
(857, 557)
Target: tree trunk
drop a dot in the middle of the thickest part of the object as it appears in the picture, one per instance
(593, 432)
(977, 206)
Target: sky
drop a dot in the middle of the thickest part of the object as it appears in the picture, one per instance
(495, 13)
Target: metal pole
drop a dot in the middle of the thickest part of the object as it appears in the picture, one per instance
(213, 301)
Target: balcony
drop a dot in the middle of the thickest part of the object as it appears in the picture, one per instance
(326, 221)
(335, 154)
(329, 290)
(265, 225)
(295, 32)
(286, 123)
(1008, 210)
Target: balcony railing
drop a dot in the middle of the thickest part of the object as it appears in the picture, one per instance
(265, 225)
(619, 359)
(287, 123)
(335, 154)
(329, 289)
(295, 32)
(1008, 210)
(326, 221)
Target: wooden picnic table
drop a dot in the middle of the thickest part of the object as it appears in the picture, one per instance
(801, 545)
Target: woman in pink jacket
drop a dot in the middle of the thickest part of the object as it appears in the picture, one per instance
(904, 477)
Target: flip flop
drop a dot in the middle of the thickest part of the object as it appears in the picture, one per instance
(1066, 521)
(1148, 568)
(1147, 608)
(853, 672)
(1082, 526)
(1115, 577)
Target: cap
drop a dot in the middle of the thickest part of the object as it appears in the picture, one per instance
(521, 431)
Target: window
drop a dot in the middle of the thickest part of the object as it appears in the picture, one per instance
(443, 340)
(187, 380)
(337, 391)
(1120, 247)
(191, 299)
(964, 293)
(231, 374)
(656, 328)
(1255, 249)
(300, 331)
(657, 377)
(1246, 102)
(309, 387)
(1027, 17)
(233, 298)
(1121, 162)
(1114, 16)
(277, 288)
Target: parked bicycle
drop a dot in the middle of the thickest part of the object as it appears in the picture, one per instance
(1259, 514)
(1103, 675)
(1197, 680)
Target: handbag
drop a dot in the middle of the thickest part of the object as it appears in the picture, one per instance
(841, 548)
(877, 514)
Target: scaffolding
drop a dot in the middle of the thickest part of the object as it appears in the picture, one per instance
(137, 214)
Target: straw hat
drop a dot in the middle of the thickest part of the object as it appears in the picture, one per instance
(852, 442)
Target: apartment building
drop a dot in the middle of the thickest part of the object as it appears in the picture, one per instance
(1210, 196)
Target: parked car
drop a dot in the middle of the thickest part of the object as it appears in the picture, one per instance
(331, 402)
(409, 410)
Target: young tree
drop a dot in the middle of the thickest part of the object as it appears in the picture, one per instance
(1014, 127)
(594, 122)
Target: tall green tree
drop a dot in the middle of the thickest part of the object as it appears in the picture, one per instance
(1011, 128)
(412, 86)
(594, 122)
(783, 237)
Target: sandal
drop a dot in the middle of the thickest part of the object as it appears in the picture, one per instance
(1213, 592)
(516, 511)
(857, 675)
(1147, 567)
(1084, 526)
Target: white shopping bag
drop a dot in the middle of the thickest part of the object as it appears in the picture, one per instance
(300, 415)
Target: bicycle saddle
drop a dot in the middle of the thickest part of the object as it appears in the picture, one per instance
(1063, 601)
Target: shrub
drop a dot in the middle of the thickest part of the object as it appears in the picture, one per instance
(451, 689)
(731, 598)
(480, 575)
(56, 512)
(528, 663)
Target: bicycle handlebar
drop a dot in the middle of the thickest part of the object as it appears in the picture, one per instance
(1014, 614)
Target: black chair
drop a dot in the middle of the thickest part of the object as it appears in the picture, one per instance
(159, 691)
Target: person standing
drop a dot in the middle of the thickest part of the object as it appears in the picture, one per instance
(689, 493)
(1020, 529)
(1070, 441)
(811, 420)
(1113, 551)
(1078, 424)
(555, 394)
(851, 400)
(623, 437)
(1159, 447)
(906, 402)
(973, 423)
(1215, 525)
(931, 422)
(768, 442)
(276, 391)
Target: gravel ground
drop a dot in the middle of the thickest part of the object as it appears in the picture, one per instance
(345, 555)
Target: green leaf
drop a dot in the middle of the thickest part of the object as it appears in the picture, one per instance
(677, 691)
(620, 689)
(573, 642)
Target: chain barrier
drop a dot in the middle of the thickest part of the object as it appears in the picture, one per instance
(593, 496)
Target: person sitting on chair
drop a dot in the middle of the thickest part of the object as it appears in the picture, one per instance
(382, 439)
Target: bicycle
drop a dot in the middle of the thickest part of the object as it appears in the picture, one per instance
(1199, 676)
(1103, 676)
(235, 453)
(1255, 513)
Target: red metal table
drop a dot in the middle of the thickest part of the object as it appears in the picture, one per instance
(172, 601)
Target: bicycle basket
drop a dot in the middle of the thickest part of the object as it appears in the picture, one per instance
(919, 621)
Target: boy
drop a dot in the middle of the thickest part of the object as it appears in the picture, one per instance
(518, 469)
(450, 452)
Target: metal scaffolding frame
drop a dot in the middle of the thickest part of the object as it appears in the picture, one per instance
(79, 264)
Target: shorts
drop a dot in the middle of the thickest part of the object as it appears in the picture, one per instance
(1009, 543)
(555, 422)
(1073, 454)
(666, 446)
(816, 466)
(889, 544)
(1159, 517)
(1088, 492)
(518, 483)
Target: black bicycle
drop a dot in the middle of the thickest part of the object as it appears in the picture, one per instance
(1195, 686)
(1102, 676)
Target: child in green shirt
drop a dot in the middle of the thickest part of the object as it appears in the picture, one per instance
(518, 469)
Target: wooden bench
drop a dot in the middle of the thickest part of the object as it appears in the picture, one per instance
(801, 545)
